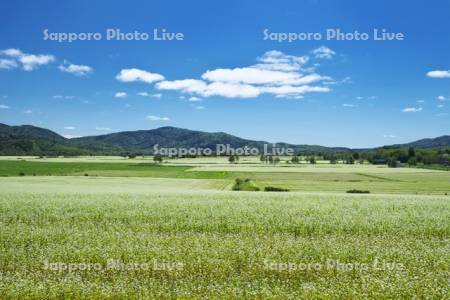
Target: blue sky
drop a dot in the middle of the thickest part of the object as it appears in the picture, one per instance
(224, 76)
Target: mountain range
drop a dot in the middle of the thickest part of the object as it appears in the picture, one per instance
(32, 140)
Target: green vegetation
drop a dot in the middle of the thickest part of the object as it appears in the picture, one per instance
(355, 191)
(208, 244)
(198, 239)
(245, 185)
(274, 189)
(296, 177)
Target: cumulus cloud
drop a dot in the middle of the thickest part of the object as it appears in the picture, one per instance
(7, 64)
(157, 118)
(194, 99)
(130, 75)
(28, 62)
(412, 109)
(78, 70)
(323, 52)
(278, 61)
(276, 73)
(145, 94)
(3, 106)
(439, 74)
(120, 95)
(441, 98)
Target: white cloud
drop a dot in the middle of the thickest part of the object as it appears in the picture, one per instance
(440, 106)
(200, 107)
(63, 97)
(412, 109)
(390, 136)
(12, 52)
(289, 96)
(420, 101)
(349, 105)
(69, 127)
(145, 94)
(28, 62)
(103, 128)
(359, 98)
(276, 73)
(439, 74)
(323, 52)
(156, 118)
(28, 111)
(78, 70)
(130, 75)
(194, 99)
(185, 85)
(441, 98)
(278, 61)
(120, 95)
(441, 114)
(3, 106)
(7, 64)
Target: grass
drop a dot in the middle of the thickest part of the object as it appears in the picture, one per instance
(326, 178)
(224, 241)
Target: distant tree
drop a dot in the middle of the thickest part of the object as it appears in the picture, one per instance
(276, 160)
(412, 161)
(295, 159)
(392, 162)
(350, 160)
(312, 160)
(411, 152)
(157, 158)
(233, 159)
(263, 158)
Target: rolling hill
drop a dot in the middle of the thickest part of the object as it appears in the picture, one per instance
(32, 140)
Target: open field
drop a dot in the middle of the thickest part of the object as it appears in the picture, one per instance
(133, 229)
(224, 244)
(306, 177)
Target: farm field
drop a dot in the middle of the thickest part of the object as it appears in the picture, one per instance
(82, 229)
(304, 177)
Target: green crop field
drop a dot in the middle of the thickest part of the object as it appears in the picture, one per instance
(96, 228)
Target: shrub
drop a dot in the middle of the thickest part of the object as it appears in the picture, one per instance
(21, 174)
(245, 185)
(274, 189)
(355, 191)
